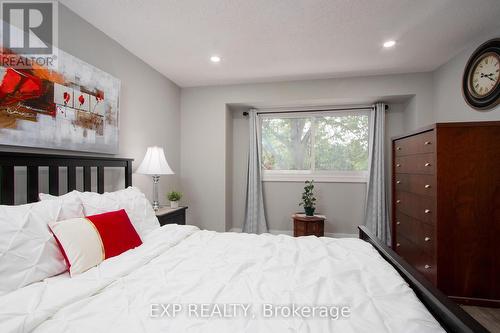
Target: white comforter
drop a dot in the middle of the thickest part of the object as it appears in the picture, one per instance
(183, 265)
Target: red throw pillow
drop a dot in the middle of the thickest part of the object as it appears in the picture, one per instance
(86, 242)
(117, 232)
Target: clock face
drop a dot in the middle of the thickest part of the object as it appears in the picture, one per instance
(481, 78)
(485, 75)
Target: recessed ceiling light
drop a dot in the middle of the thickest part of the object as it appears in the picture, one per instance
(215, 58)
(390, 43)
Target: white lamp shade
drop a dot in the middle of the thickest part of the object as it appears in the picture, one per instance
(154, 163)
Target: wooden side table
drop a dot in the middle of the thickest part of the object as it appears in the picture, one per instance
(167, 215)
(308, 225)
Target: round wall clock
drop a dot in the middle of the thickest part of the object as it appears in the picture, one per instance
(481, 80)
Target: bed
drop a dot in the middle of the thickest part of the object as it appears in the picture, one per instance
(182, 279)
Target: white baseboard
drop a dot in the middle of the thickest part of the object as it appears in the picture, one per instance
(290, 233)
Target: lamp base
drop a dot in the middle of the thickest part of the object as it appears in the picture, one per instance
(156, 180)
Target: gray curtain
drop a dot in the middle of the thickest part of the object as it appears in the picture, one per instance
(377, 213)
(255, 219)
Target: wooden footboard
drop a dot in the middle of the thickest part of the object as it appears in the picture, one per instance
(448, 313)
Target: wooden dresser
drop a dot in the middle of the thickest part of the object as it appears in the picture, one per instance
(446, 207)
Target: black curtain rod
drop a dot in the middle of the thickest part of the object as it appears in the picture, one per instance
(337, 109)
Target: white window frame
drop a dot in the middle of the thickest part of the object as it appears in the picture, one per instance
(317, 176)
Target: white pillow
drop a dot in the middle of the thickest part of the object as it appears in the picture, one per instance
(28, 250)
(81, 242)
(70, 201)
(131, 199)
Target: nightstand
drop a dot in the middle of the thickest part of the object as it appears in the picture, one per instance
(167, 215)
(308, 225)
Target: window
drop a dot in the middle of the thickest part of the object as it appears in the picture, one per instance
(327, 146)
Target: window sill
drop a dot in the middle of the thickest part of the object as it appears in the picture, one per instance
(316, 178)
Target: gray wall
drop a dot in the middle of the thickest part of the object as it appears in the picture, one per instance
(207, 164)
(149, 102)
(448, 103)
(213, 139)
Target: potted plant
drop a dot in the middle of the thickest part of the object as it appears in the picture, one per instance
(174, 198)
(308, 199)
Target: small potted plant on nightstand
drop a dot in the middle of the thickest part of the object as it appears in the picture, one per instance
(308, 199)
(174, 198)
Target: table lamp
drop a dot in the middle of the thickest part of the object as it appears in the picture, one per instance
(155, 164)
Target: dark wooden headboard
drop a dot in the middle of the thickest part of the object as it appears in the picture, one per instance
(32, 162)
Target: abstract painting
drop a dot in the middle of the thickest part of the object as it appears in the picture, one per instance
(74, 106)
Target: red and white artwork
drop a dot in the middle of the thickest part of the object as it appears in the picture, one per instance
(71, 107)
(63, 95)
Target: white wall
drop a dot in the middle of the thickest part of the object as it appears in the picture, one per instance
(205, 175)
(149, 102)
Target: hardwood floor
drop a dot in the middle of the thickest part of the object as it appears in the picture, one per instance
(488, 317)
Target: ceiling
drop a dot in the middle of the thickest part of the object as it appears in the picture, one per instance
(274, 40)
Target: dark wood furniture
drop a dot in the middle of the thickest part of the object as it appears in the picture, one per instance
(446, 207)
(447, 313)
(32, 162)
(308, 225)
(451, 316)
(167, 215)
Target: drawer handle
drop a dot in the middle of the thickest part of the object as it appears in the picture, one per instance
(427, 164)
(398, 182)
(398, 148)
(427, 211)
(427, 266)
(398, 165)
(427, 239)
(398, 201)
(398, 245)
(398, 223)
(427, 143)
(427, 186)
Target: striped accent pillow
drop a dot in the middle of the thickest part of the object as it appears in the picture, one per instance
(86, 242)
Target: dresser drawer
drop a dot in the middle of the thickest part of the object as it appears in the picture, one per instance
(417, 206)
(415, 183)
(422, 261)
(421, 234)
(404, 247)
(426, 264)
(426, 238)
(404, 225)
(416, 144)
(415, 164)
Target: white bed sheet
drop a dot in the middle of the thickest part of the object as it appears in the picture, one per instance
(184, 265)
